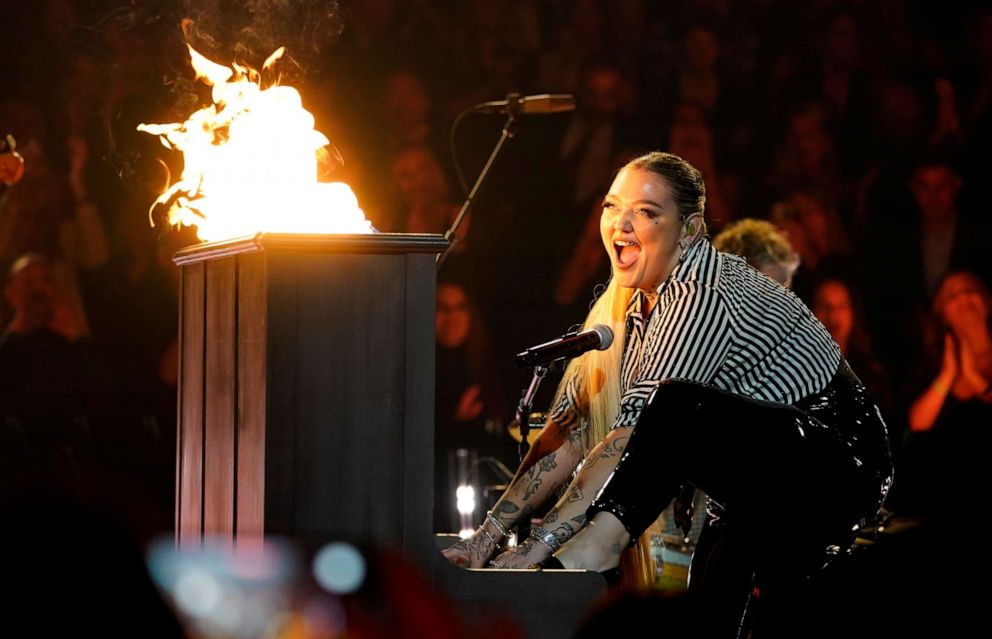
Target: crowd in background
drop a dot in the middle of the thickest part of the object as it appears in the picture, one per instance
(858, 128)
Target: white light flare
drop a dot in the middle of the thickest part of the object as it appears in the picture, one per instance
(465, 500)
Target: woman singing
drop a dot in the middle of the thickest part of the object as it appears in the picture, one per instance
(722, 379)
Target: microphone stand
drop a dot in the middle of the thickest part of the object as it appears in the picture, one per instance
(524, 407)
(509, 129)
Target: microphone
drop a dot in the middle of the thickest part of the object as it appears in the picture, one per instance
(541, 104)
(599, 337)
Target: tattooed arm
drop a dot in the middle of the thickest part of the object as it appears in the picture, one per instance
(569, 514)
(549, 464)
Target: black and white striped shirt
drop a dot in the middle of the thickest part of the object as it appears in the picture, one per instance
(719, 322)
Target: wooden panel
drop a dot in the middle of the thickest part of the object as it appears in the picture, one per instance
(219, 438)
(418, 417)
(350, 397)
(250, 486)
(189, 445)
(280, 395)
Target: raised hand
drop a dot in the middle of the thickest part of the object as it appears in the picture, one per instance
(949, 364)
(973, 372)
(11, 162)
(469, 406)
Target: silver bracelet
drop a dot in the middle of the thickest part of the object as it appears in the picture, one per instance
(495, 522)
(546, 538)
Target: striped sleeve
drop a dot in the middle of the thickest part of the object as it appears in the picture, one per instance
(689, 339)
(566, 411)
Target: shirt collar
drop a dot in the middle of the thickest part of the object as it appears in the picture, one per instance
(688, 267)
(685, 271)
(636, 303)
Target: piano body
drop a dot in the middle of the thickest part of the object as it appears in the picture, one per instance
(306, 409)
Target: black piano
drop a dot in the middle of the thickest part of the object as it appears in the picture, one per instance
(307, 404)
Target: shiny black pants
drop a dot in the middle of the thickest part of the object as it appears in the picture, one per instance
(786, 483)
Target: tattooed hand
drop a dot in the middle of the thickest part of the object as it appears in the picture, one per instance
(523, 556)
(472, 552)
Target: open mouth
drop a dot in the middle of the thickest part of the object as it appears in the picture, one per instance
(626, 252)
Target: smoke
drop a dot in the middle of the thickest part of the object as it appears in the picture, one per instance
(249, 30)
(243, 31)
(225, 31)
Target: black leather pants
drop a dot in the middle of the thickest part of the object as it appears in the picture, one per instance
(788, 481)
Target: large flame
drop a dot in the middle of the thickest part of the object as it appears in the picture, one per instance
(251, 162)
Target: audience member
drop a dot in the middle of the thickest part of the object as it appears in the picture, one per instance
(835, 306)
(691, 137)
(48, 369)
(425, 202)
(471, 409)
(943, 454)
(763, 246)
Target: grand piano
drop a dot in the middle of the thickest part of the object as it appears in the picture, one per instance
(306, 410)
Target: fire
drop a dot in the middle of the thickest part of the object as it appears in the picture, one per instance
(250, 162)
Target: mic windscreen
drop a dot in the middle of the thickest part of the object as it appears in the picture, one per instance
(605, 336)
(548, 103)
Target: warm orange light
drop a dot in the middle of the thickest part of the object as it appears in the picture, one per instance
(251, 162)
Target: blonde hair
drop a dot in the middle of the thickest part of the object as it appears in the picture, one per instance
(596, 378)
(596, 375)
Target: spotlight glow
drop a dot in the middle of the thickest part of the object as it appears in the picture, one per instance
(465, 500)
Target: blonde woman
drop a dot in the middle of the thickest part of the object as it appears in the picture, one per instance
(733, 385)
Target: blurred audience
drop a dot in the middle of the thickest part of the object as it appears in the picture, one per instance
(809, 160)
(834, 304)
(425, 202)
(691, 138)
(596, 131)
(48, 369)
(815, 231)
(945, 240)
(943, 455)
(698, 76)
(407, 108)
(471, 408)
(960, 395)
